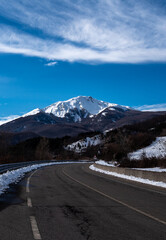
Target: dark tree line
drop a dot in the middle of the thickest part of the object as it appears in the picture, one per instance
(115, 146)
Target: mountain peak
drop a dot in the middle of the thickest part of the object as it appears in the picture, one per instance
(77, 107)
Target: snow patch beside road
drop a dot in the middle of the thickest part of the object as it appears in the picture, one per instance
(155, 169)
(115, 164)
(15, 175)
(132, 178)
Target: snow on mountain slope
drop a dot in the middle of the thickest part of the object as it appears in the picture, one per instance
(33, 112)
(75, 109)
(91, 105)
(4, 120)
(156, 149)
(80, 107)
(82, 145)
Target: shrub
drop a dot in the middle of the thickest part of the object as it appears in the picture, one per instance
(144, 163)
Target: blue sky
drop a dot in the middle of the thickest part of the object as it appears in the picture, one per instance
(52, 50)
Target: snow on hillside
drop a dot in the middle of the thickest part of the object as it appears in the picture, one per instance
(82, 145)
(104, 163)
(156, 149)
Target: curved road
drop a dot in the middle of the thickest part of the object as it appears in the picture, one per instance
(71, 202)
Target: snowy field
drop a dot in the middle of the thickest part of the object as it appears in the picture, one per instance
(16, 175)
(132, 178)
(156, 149)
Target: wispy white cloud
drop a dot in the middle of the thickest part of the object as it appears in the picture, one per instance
(51, 64)
(102, 31)
(153, 108)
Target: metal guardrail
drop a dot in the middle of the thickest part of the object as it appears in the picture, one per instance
(12, 166)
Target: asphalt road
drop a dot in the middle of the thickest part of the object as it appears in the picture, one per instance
(71, 202)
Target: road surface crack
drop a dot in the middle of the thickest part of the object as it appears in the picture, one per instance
(80, 219)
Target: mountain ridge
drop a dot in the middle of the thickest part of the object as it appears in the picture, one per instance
(74, 109)
(77, 108)
(74, 116)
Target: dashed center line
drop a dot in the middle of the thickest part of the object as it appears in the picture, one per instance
(35, 229)
(29, 202)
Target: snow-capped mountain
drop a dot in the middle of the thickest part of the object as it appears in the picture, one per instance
(77, 108)
(77, 115)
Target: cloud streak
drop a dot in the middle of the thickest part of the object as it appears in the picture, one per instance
(50, 64)
(153, 108)
(92, 31)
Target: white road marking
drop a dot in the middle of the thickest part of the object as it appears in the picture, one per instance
(29, 202)
(27, 187)
(116, 200)
(35, 229)
(28, 181)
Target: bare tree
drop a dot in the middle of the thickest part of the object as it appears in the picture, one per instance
(42, 150)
